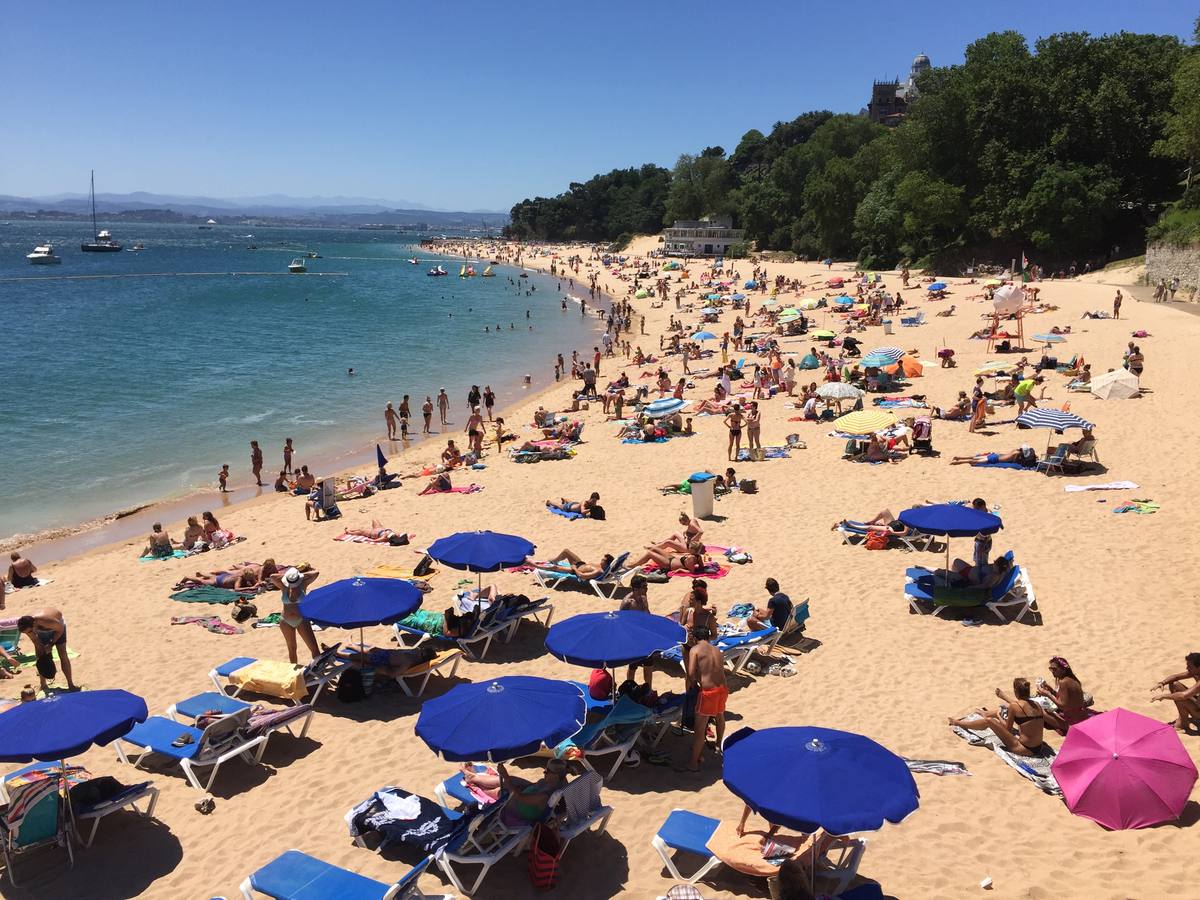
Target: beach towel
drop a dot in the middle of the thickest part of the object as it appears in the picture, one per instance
(712, 570)
(569, 515)
(1109, 486)
(210, 623)
(221, 540)
(745, 854)
(1004, 465)
(900, 403)
(1034, 768)
(935, 767)
(207, 593)
(768, 453)
(268, 621)
(1141, 507)
(469, 489)
(177, 554)
(403, 572)
(10, 588)
(271, 678)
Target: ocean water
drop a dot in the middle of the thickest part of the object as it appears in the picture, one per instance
(125, 390)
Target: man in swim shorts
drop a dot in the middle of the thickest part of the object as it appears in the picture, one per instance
(705, 674)
(47, 631)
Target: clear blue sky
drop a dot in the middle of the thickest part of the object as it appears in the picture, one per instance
(463, 105)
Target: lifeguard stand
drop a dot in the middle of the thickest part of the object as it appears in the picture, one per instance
(1008, 300)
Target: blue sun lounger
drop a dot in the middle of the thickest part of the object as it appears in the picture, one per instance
(297, 876)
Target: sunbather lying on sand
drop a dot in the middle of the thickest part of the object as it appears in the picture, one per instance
(587, 507)
(1020, 727)
(1186, 699)
(240, 576)
(567, 562)
(379, 532)
(1024, 455)
(882, 521)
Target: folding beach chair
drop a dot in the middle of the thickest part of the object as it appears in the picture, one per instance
(1054, 460)
(328, 508)
(912, 321)
(414, 681)
(35, 816)
(614, 736)
(297, 876)
(1013, 592)
(1086, 450)
(496, 621)
(615, 578)
(266, 720)
(550, 579)
(159, 737)
(126, 799)
(317, 674)
(856, 533)
(737, 649)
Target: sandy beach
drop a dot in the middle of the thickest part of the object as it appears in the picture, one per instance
(1114, 596)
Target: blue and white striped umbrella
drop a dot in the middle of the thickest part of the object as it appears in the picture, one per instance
(892, 353)
(1050, 338)
(1051, 418)
(667, 406)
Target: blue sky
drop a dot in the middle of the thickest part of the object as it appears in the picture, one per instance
(465, 105)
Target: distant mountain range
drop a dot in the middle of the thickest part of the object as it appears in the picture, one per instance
(274, 206)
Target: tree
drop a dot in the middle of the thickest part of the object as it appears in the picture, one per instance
(1181, 130)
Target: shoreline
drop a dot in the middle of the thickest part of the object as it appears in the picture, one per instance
(62, 543)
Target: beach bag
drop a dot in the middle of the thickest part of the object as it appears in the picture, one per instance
(600, 685)
(877, 540)
(350, 687)
(748, 486)
(545, 850)
(424, 567)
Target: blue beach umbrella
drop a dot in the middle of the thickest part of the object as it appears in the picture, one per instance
(950, 520)
(751, 284)
(501, 719)
(738, 297)
(606, 640)
(359, 602)
(380, 459)
(481, 551)
(808, 778)
(937, 286)
(63, 725)
(704, 336)
(843, 300)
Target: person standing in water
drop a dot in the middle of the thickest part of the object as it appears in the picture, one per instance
(256, 462)
(427, 414)
(389, 416)
(288, 450)
(443, 402)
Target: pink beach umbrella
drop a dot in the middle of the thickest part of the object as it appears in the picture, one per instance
(1124, 770)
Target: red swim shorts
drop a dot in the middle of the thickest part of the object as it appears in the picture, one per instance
(712, 701)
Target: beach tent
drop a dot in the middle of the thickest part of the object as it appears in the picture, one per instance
(501, 719)
(843, 300)
(1124, 770)
(751, 284)
(642, 294)
(1008, 299)
(836, 282)
(909, 365)
(809, 362)
(807, 778)
(1119, 384)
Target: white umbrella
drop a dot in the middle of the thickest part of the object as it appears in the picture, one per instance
(838, 390)
(1119, 384)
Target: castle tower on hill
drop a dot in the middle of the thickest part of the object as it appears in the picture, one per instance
(890, 99)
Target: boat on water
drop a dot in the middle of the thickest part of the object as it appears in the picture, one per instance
(438, 271)
(412, 260)
(470, 271)
(313, 254)
(136, 248)
(207, 226)
(298, 266)
(102, 241)
(462, 273)
(43, 255)
(488, 273)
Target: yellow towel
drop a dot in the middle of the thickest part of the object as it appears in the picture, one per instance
(390, 571)
(441, 657)
(272, 678)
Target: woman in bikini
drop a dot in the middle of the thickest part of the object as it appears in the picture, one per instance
(380, 532)
(1020, 727)
(692, 560)
(1067, 695)
(753, 428)
(528, 801)
(294, 585)
(733, 422)
(679, 541)
(570, 563)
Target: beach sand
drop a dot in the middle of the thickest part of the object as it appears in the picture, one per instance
(1115, 593)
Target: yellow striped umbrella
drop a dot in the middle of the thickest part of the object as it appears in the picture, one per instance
(864, 421)
(996, 365)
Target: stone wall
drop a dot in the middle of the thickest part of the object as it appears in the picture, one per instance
(1168, 260)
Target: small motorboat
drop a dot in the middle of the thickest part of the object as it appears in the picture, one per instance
(438, 271)
(470, 271)
(313, 254)
(136, 247)
(297, 266)
(412, 260)
(43, 255)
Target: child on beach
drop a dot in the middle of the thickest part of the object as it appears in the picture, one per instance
(223, 478)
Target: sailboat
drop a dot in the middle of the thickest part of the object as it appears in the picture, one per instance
(462, 273)
(488, 273)
(102, 241)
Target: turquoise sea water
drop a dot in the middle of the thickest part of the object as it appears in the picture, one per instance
(118, 391)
